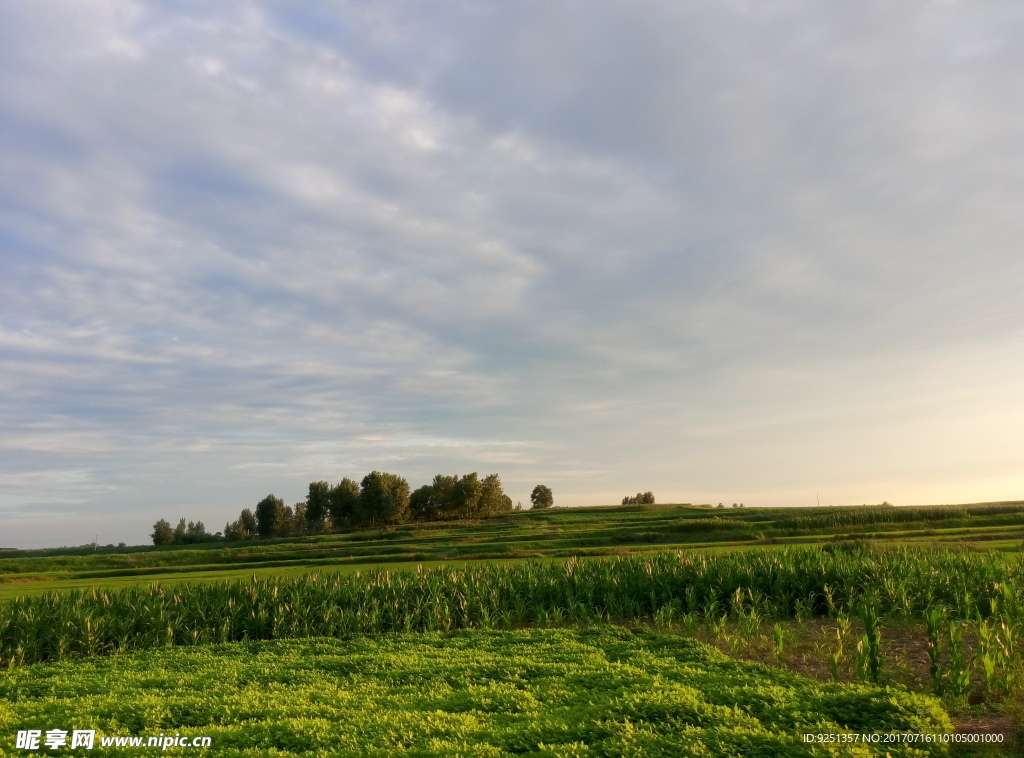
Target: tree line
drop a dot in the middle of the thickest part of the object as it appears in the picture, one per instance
(380, 499)
(640, 498)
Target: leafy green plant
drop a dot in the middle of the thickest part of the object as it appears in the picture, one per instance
(779, 634)
(958, 668)
(598, 691)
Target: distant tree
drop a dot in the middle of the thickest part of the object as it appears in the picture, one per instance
(640, 498)
(232, 532)
(343, 503)
(270, 516)
(162, 533)
(287, 525)
(318, 505)
(383, 499)
(180, 531)
(248, 524)
(421, 504)
(493, 499)
(542, 496)
(466, 496)
(299, 521)
(519, 505)
(442, 497)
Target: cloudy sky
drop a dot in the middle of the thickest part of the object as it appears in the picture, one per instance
(726, 251)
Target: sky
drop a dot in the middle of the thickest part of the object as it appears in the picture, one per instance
(741, 251)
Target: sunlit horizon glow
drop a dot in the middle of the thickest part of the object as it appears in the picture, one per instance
(744, 252)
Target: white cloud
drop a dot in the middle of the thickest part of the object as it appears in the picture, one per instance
(691, 248)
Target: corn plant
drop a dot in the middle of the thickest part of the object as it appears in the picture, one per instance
(933, 621)
(869, 648)
(783, 584)
(958, 671)
(779, 642)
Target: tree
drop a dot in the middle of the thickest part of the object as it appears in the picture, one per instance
(232, 531)
(343, 503)
(192, 534)
(287, 525)
(247, 522)
(640, 498)
(421, 505)
(383, 499)
(270, 516)
(542, 496)
(442, 497)
(318, 505)
(162, 533)
(466, 495)
(299, 520)
(493, 499)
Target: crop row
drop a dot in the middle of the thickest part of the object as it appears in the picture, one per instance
(778, 584)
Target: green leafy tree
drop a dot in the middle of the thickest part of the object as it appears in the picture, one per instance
(162, 533)
(467, 494)
(493, 499)
(318, 505)
(383, 499)
(542, 496)
(192, 534)
(287, 525)
(270, 516)
(421, 505)
(640, 498)
(247, 522)
(442, 497)
(343, 503)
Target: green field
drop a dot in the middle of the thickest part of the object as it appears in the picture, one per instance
(928, 601)
(553, 534)
(602, 691)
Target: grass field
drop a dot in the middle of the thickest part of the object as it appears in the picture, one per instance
(602, 691)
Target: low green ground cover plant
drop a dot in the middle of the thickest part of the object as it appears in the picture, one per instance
(600, 691)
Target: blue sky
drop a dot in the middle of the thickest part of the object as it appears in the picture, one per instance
(729, 252)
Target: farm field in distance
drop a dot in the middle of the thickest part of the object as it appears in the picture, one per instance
(825, 605)
(557, 533)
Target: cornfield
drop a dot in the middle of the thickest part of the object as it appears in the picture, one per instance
(782, 584)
